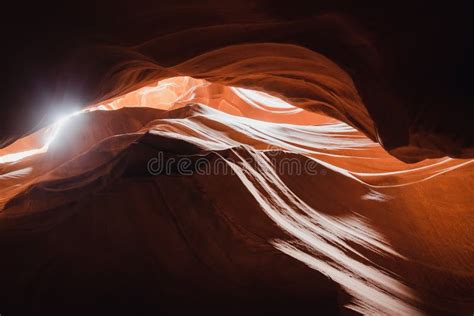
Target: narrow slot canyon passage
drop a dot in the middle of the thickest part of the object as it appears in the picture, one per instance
(241, 158)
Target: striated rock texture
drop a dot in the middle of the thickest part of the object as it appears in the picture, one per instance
(248, 205)
(247, 157)
(395, 74)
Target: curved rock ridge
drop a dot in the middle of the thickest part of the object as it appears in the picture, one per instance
(301, 77)
(322, 60)
(209, 205)
(251, 157)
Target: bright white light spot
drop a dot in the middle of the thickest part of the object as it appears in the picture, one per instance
(56, 127)
(51, 133)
